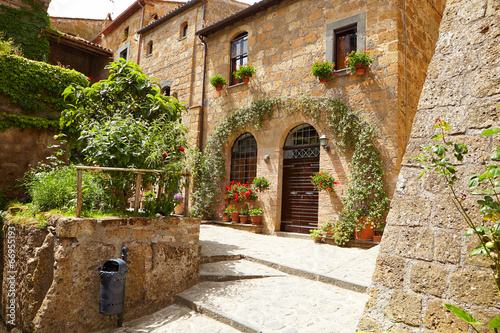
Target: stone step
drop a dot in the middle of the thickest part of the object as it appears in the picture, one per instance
(288, 304)
(235, 270)
(210, 259)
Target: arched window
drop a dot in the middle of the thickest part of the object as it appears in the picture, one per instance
(165, 91)
(302, 142)
(244, 159)
(239, 56)
(149, 48)
(184, 30)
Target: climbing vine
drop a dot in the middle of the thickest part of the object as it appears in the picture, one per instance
(8, 120)
(366, 194)
(24, 25)
(35, 85)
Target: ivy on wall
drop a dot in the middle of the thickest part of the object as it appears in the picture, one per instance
(366, 195)
(23, 25)
(34, 85)
(8, 120)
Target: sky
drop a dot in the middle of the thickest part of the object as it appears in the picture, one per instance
(94, 9)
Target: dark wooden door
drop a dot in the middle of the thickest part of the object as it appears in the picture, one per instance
(299, 210)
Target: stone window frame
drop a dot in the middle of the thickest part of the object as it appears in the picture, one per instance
(358, 21)
(183, 30)
(149, 48)
(126, 48)
(167, 85)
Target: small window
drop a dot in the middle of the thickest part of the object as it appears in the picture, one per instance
(239, 56)
(345, 42)
(165, 91)
(125, 34)
(149, 48)
(154, 16)
(184, 30)
(124, 54)
(344, 36)
(244, 159)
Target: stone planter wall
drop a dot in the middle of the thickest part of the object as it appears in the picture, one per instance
(53, 276)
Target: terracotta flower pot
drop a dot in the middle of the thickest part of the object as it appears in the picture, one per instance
(235, 217)
(178, 209)
(218, 87)
(360, 70)
(245, 79)
(322, 80)
(226, 218)
(377, 238)
(366, 233)
(243, 218)
(256, 219)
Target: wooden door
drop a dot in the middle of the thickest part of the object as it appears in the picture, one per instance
(299, 209)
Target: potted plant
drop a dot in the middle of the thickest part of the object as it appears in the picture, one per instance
(327, 228)
(358, 61)
(256, 215)
(251, 195)
(317, 235)
(224, 215)
(244, 215)
(217, 81)
(236, 191)
(261, 184)
(179, 204)
(235, 213)
(323, 181)
(245, 72)
(322, 70)
(365, 229)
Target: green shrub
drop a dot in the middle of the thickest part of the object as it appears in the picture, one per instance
(56, 188)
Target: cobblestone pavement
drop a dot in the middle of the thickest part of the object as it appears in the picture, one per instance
(248, 296)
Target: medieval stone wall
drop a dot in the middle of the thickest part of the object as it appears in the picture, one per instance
(54, 275)
(424, 256)
(84, 28)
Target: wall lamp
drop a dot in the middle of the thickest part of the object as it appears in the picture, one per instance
(323, 140)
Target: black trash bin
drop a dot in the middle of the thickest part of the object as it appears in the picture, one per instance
(112, 295)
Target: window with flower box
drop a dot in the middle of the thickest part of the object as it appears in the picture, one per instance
(344, 36)
(239, 55)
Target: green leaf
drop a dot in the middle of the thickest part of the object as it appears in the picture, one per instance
(479, 250)
(494, 323)
(465, 316)
(469, 232)
(491, 131)
(437, 137)
(495, 156)
(474, 181)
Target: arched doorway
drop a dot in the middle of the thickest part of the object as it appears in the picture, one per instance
(299, 206)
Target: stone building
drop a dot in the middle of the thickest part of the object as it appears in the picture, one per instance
(87, 29)
(282, 39)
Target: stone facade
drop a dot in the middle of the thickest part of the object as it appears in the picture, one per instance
(283, 42)
(114, 37)
(424, 257)
(55, 270)
(84, 28)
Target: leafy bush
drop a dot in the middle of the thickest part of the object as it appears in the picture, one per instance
(56, 188)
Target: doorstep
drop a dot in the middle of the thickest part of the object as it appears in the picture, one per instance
(364, 244)
(256, 229)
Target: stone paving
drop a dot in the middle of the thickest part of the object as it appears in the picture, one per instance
(247, 296)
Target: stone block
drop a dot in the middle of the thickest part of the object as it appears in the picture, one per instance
(438, 318)
(75, 227)
(390, 271)
(120, 232)
(473, 285)
(405, 307)
(428, 278)
(143, 234)
(417, 243)
(448, 245)
(139, 221)
(368, 324)
(113, 221)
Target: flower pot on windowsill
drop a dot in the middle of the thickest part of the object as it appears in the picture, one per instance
(218, 87)
(256, 219)
(323, 80)
(245, 79)
(360, 70)
(235, 217)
